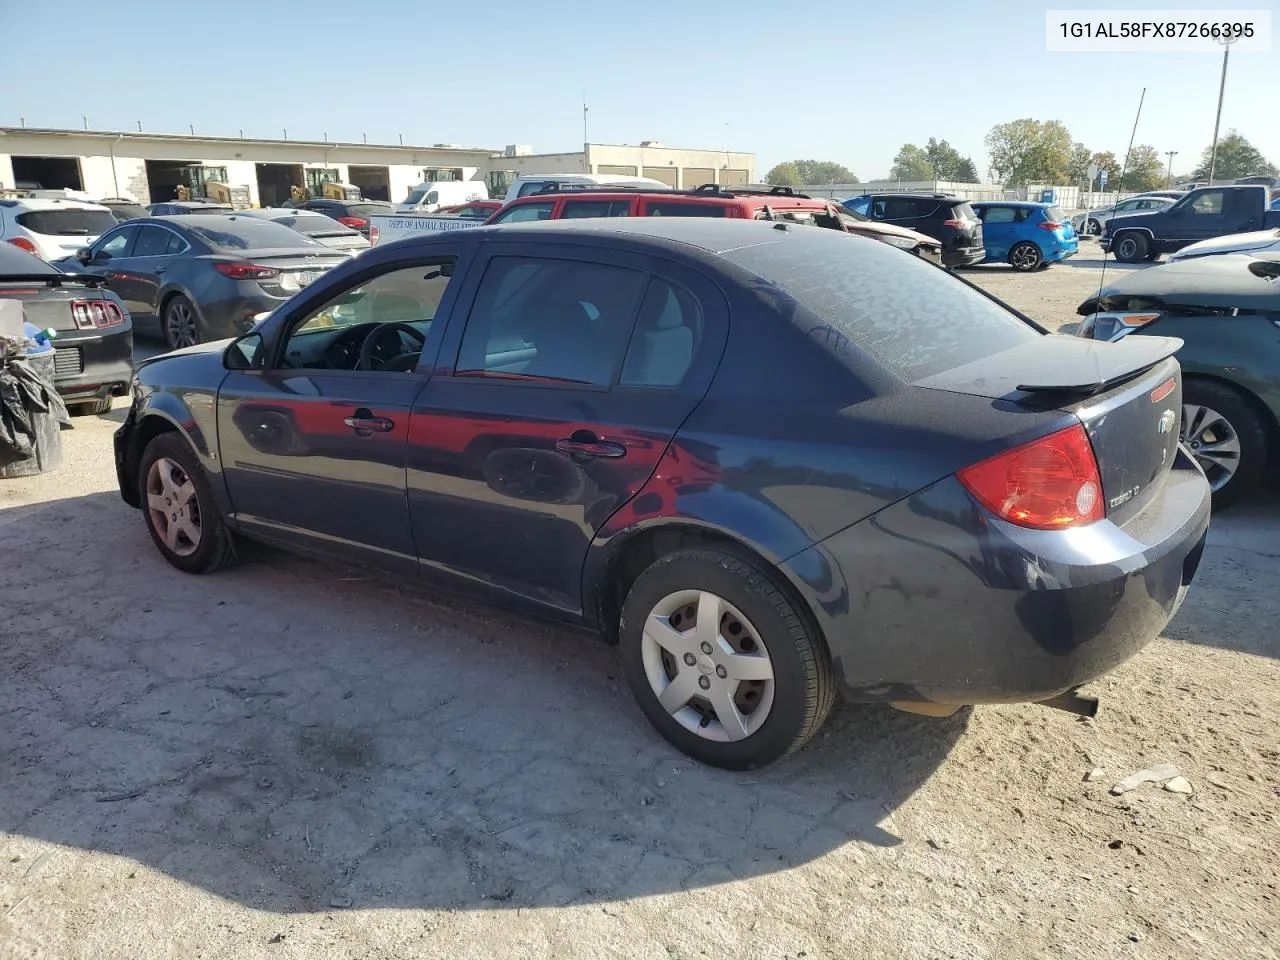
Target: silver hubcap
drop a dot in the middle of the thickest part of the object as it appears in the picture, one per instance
(708, 666)
(1093, 228)
(181, 324)
(1025, 257)
(1213, 442)
(1128, 248)
(173, 507)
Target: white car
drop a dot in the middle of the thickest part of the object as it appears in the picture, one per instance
(1262, 244)
(52, 229)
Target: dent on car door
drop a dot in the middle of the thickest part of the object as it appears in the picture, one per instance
(569, 378)
(313, 442)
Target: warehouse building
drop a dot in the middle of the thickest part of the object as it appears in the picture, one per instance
(149, 167)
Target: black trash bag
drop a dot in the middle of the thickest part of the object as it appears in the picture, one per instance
(23, 391)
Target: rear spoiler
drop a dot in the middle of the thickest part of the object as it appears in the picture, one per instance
(55, 279)
(1096, 367)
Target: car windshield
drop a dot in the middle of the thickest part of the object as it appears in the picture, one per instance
(15, 260)
(912, 317)
(72, 222)
(127, 211)
(315, 225)
(245, 234)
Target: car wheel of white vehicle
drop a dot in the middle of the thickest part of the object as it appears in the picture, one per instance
(1092, 227)
(181, 512)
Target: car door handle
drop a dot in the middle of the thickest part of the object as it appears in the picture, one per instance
(160, 269)
(363, 422)
(592, 447)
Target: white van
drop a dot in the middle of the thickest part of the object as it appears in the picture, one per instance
(532, 183)
(431, 196)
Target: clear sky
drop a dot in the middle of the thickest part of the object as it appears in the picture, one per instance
(844, 80)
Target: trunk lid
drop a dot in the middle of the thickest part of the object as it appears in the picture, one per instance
(1128, 400)
(48, 306)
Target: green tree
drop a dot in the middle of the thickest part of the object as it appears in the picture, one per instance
(1029, 151)
(944, 158)
(784, 175)
(1078, 167)
(966, 172)
(912, 164)
(795, 173)
(1107, 161)
(1144, 170)
(1237, 157)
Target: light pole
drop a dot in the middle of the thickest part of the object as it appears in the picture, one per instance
(1169, 179)
(1222, 86)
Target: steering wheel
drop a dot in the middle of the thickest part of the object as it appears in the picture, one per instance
(365, 360)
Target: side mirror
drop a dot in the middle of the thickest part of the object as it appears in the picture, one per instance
(85, 256)
(246, 353)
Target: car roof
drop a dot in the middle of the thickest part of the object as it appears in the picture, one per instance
(940, 197)
(710, 235)
(39, 203)
(692, 196)
(1027, 204)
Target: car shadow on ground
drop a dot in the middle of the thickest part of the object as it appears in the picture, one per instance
(298, 737)
(1234, 602)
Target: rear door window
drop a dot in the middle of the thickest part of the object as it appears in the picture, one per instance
(668, 208)
(527, 211)
(550, 321)
(998, 214)
(581, 209)
(152, 242)
(914, 319)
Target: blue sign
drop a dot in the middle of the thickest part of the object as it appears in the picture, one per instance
(1048, 196)
(1102, 180)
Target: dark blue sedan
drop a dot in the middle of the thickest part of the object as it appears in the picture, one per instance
(772, 462)
(1027, 236)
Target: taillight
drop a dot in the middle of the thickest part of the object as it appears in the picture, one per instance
(96, 314)
(955, 224)
(245, 271)
(1047, 484)
(373, 236)
(355, 223)
(22, 243)
(1050, 225)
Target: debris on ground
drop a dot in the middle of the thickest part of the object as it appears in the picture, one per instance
(1157, 774)
(1179, 785)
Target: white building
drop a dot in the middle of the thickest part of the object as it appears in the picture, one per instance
(149, 167)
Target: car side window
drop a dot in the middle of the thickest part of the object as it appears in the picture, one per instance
(151, 242)
(332, 335)
(555, 321)
(1208, 203)
(665, 208)
(582, 209)
(527, 211)
(116, 245)
(999, 214)
(860, 205)
(666, 338)
(176, 245)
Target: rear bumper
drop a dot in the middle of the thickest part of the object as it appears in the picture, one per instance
(934, 599)
(963, 256)
(1061, 250)
(94, 366)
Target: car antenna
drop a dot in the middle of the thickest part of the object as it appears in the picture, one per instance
(1124, 168)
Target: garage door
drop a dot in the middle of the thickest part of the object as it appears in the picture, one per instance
(617, 171)
(733, 177)
(665, 175)
(696, 176)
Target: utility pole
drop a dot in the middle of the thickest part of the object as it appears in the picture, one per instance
(1222, 86)
(1169, 178)
(584, 120)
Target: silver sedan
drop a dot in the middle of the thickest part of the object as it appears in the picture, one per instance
(1090, 223)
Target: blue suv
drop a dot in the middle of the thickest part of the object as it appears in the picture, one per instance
(1027, 236)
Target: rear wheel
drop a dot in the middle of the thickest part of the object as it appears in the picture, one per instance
(1130, 247)
(181, 323)
(722, 662)
(1092, 227)
(1227, 437)
(1025, 256)
(181, 513)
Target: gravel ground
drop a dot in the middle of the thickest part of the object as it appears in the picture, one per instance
(295, 760)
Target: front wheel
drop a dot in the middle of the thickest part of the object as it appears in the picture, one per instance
(1025, 257)
(722, 662)
(1226, 436)
(181, 512)
(1092, 227)
(1130, 248)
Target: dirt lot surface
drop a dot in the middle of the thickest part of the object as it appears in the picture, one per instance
(295, 760)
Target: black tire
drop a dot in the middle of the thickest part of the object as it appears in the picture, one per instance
(1250, 430)
(1130, 247)
(1025, 257)
(804, 678)
(216, 547)
(91, 408)
(181, 324)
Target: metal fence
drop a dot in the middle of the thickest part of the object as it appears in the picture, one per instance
(1070, 198)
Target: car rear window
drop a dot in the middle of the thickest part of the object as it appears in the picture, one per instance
(248, 235)
(962, 211)
(666, 208)
(67, 223)
(314, 225)
(127, 211)
(911, 316)
(366, 210)
(1056, 214)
